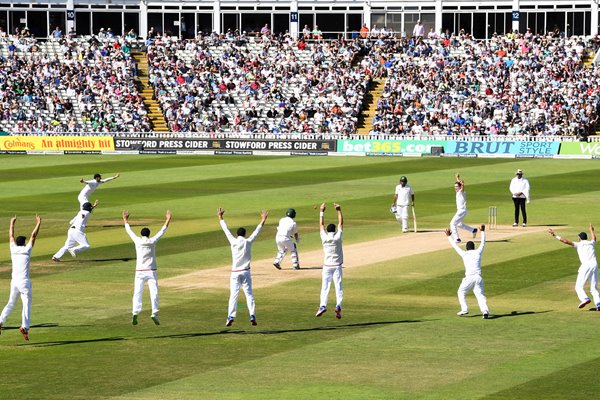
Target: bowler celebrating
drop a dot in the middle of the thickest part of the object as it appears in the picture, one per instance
(461, 210)
(20, 284)
(90, 186)
(76, 234)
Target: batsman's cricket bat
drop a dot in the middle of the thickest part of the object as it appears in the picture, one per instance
(414, 219)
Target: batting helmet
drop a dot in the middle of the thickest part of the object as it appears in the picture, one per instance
(87, 207)
(291, 213)
(403, 179)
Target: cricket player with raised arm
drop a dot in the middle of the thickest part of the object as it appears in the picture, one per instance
(90, 186)
(241, 253)
(333, 260)
(145, 266)
(286, 230)
(20, 285)
(461, 210)
(472, 280)
(76, 239)
(404, 197)
(588, 268)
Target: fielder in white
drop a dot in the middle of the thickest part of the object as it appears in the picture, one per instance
(90, 186)
(472, 280)
(20, 285)
(76, 239)
(404, 197)
(145, 266)
(589, 266)
(461, 210)
(286, 230)
(241, 253)
(333, 261)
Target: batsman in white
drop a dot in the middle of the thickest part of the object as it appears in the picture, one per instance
(461, 210)
(333, 260)
(472, 280)
(76, 234)
(404, 197)
(286, 230)
(90, 186)
(241, 253)
(145, 266)
(589, 266)
(20, 254)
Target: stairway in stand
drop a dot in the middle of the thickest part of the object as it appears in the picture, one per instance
(146, 92)
(365, 120)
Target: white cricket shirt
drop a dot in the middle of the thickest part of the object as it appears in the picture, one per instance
(145, 249)
(586, 252)
(241, 247)
(332, 247)
(92, 185)
(80, 220)
(404, 195)
(20, 256)
(287, 227)
(471, 258)
(461, 200)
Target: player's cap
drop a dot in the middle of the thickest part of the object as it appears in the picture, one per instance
(87, 206)
(582, 235)
(97, 176)
(519, 172)
(403, 179)
(291, 213)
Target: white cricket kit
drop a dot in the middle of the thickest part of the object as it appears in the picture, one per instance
(286, 230)
(472, 279)
(403, 200)
(76, 238)
(89, 188)
(587, 270)
(459, 217)
(241, 253)
(332, 266)
(519, 186)
(20, 285)
(145, 268)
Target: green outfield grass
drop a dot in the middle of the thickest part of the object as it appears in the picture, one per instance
(399, 337)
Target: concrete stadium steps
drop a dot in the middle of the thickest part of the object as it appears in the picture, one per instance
(588, 58)
(365, 120)
(147, 92)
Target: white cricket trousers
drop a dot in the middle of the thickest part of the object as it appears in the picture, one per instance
(475, 283)
(243, 280)
(141, 278)
(457, 222)
(76, 241)
(402, 216)
(583, 275)
(82, 199)
(332, 274)
(22, 288)
(283, 245)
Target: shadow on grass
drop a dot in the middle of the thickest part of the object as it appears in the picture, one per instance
(65, 342)
(280, 331)
(124, 259)
(510, 314)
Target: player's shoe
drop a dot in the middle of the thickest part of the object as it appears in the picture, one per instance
(515, 224)
(486, 315)
(338, 312)
(55, 259)
(474, 233)
(461, 313)
(297, 266)
(321, 311)
(458, 240)
(25, 333)
(524, 224)
(154, 318)
(229, 321)
(134, 319)
(584, 303)
(72, 253)
(404, 230)
(253, 320)
(597, 309)
(276, 265)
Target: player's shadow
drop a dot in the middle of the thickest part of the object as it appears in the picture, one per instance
(518, 314)
(67, 342)
(280, 331)
(124, 259)
(46, 325)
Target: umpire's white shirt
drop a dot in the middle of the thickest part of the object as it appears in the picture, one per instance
(241, 247)
(519, 186)
(586, 252)
(332, 247)
(145, 249)
(471, 258)
(287, 227)
(20, 256)
(79, 221)
(404, 195)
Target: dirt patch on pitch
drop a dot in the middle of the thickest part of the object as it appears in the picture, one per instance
(355, 255)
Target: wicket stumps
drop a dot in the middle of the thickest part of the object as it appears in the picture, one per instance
(492, 215)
